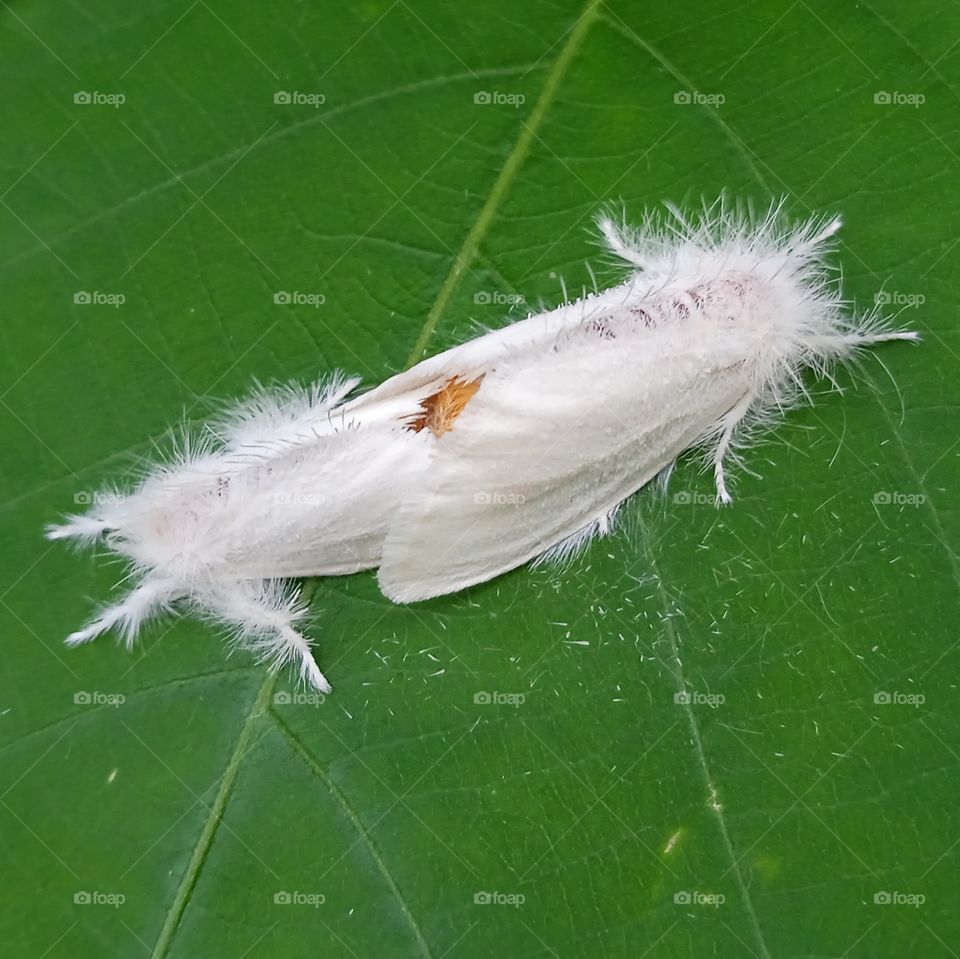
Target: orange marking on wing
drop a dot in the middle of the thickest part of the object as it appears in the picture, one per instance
(439, 410)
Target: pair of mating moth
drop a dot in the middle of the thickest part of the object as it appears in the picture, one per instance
(519, 443)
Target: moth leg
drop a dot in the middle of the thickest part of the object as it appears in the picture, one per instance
(84, 528)
(619, 243)
(130, 613)
(729, 425)
(263, 613)
(298, 647)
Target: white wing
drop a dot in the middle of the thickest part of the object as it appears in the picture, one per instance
(550, 445)
(525, 338)
(323, 510)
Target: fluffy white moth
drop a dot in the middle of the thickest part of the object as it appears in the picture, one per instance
(518, 444)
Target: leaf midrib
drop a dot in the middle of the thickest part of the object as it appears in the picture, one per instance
(205, 840)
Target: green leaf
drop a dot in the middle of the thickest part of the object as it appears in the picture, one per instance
(521, 743)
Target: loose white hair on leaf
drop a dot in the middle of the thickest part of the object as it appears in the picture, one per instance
(519, 444)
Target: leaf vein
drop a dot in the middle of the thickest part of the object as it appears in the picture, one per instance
(317, 769)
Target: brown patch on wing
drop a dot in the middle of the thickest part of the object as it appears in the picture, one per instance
(439, 410)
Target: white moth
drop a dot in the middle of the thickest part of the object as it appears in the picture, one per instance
(518, 444)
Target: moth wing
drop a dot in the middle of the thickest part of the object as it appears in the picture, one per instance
(546, 448)
(524, 338)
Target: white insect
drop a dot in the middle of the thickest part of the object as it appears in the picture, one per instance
(518, 444)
